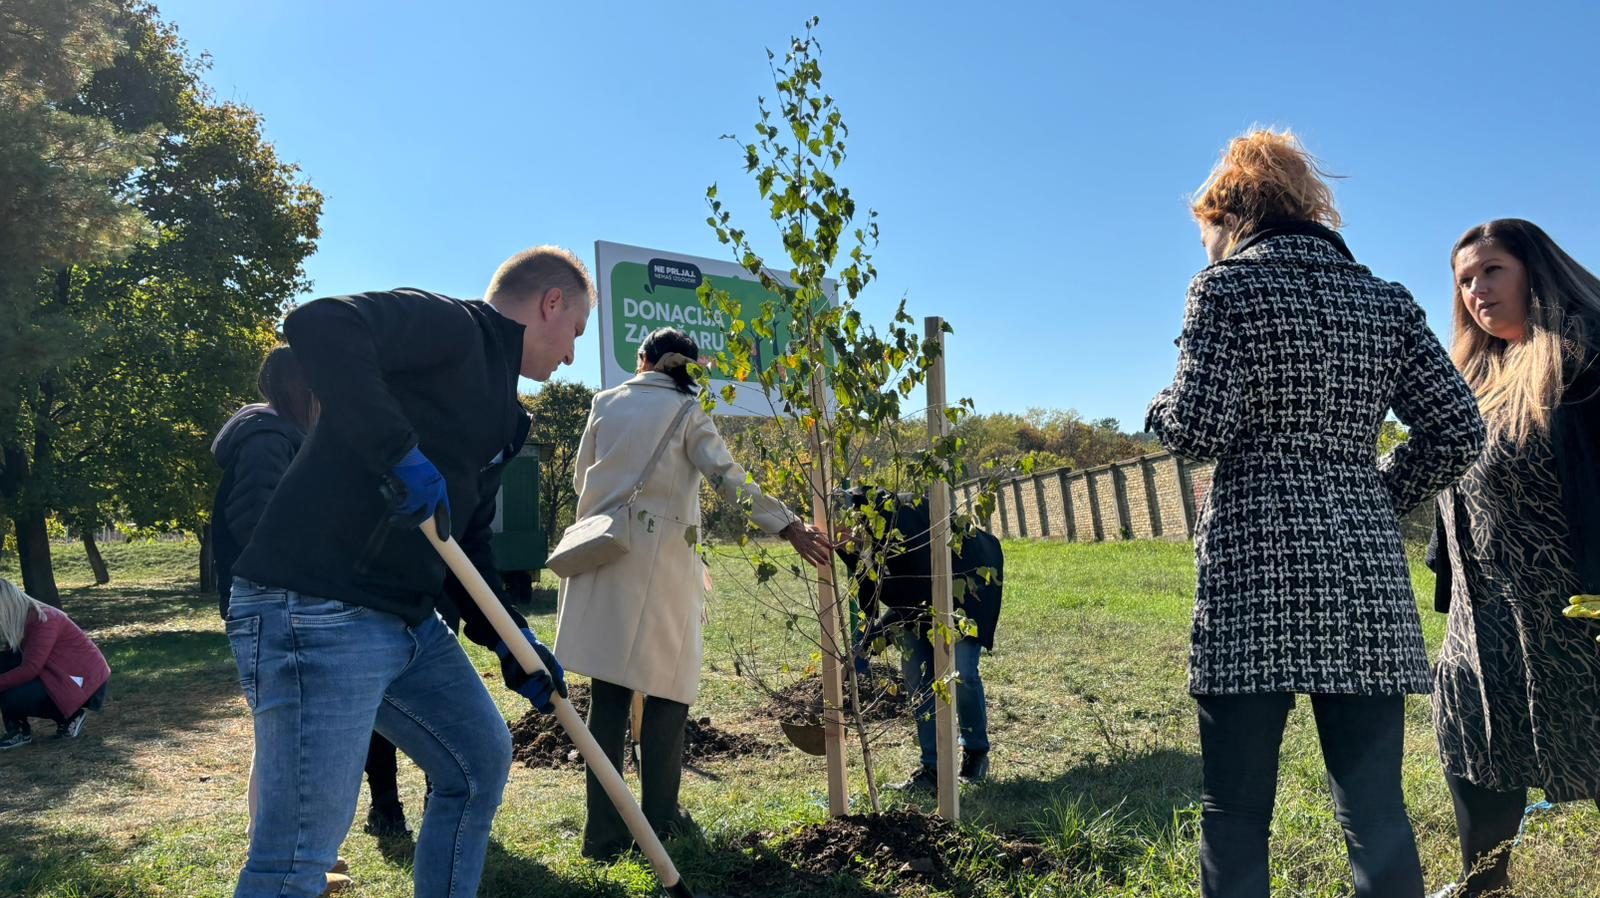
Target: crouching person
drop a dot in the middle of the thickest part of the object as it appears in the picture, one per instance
(48, 669)
(899, 603)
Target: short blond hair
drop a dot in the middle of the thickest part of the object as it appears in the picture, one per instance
(532, 272)
(1264, 176)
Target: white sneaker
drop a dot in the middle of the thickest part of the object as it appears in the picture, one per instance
(74, 725)
(1448, 891)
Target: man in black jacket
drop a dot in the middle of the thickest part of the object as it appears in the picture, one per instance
(896, 574)
(333, 618)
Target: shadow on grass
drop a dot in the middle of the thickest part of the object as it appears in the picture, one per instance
(505, 873)
(97, 607)
(40, 860)
(162, 683)
(1142, 792)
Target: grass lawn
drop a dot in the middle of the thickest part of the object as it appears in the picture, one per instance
(1095, 753)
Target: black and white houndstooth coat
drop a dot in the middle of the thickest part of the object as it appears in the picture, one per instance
(1290, 359)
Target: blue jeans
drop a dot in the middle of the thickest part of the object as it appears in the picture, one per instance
(916, 669)
(320, 676)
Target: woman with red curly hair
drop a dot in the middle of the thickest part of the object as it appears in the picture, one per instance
(1291, 357)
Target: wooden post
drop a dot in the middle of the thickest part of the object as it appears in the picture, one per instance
(827, 604)
(943, 589)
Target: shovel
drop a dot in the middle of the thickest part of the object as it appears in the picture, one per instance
(593, 756)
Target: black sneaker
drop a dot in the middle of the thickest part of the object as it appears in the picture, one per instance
(15, 739)
(387, 820)
(974, 766)
(74, 725)
(923, 779)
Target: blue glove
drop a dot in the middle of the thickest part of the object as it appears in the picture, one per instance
(416, 492)
(536, 688)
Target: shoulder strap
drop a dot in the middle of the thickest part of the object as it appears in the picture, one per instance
(650, 466)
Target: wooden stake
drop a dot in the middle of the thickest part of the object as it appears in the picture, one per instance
(943, 588)
(593, 756)
(832, 671)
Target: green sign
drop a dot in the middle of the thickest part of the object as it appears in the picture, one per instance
(643, 289)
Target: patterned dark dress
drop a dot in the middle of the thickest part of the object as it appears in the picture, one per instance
(1292, 355)
(1517, 685)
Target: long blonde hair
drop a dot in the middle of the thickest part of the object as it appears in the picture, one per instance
(14, 607)
(1265, 176)
(1520, 384)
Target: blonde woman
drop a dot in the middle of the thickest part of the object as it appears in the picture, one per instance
(1517, 686)
(48, 669)
(634, 625)
(1292, 355)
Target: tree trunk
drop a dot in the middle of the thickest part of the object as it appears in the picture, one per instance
(33, 556)
(97, 562)
(208, 561)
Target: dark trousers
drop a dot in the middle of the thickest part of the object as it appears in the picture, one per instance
(661, 764)
(1487, 820)
(1362, 739)
(383, 770)
(30, 699)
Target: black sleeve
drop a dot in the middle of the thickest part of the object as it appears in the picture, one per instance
(349, 345)
(262, 459)
(1431, 556)
(476, 543)
(1438, 561)
(1431, 399)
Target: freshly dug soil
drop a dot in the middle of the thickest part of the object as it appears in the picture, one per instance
(538, 741)
(704, 742)
(904, 844)
(881, 694)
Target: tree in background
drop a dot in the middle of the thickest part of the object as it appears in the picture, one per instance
(1055, 438)
(65, 199)
(127, 362)
(560, 411)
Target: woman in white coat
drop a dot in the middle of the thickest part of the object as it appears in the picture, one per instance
(634, 625)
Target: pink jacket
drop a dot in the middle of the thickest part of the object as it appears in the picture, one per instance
(58, 654)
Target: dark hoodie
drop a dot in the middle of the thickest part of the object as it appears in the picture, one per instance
(904, 586)
(253, 449)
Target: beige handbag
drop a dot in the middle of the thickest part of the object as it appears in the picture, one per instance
(600, 539)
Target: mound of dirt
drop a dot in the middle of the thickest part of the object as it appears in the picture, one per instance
(882, 696)
(904, 844)
(704, 742)
(538, 741)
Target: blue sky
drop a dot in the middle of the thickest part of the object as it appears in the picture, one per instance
(1029, 161)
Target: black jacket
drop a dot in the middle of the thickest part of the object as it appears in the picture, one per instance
(904, 585)
(393, 371)
(1575, 443)
(254, 450)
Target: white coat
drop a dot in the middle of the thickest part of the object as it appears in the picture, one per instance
(636, 622)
